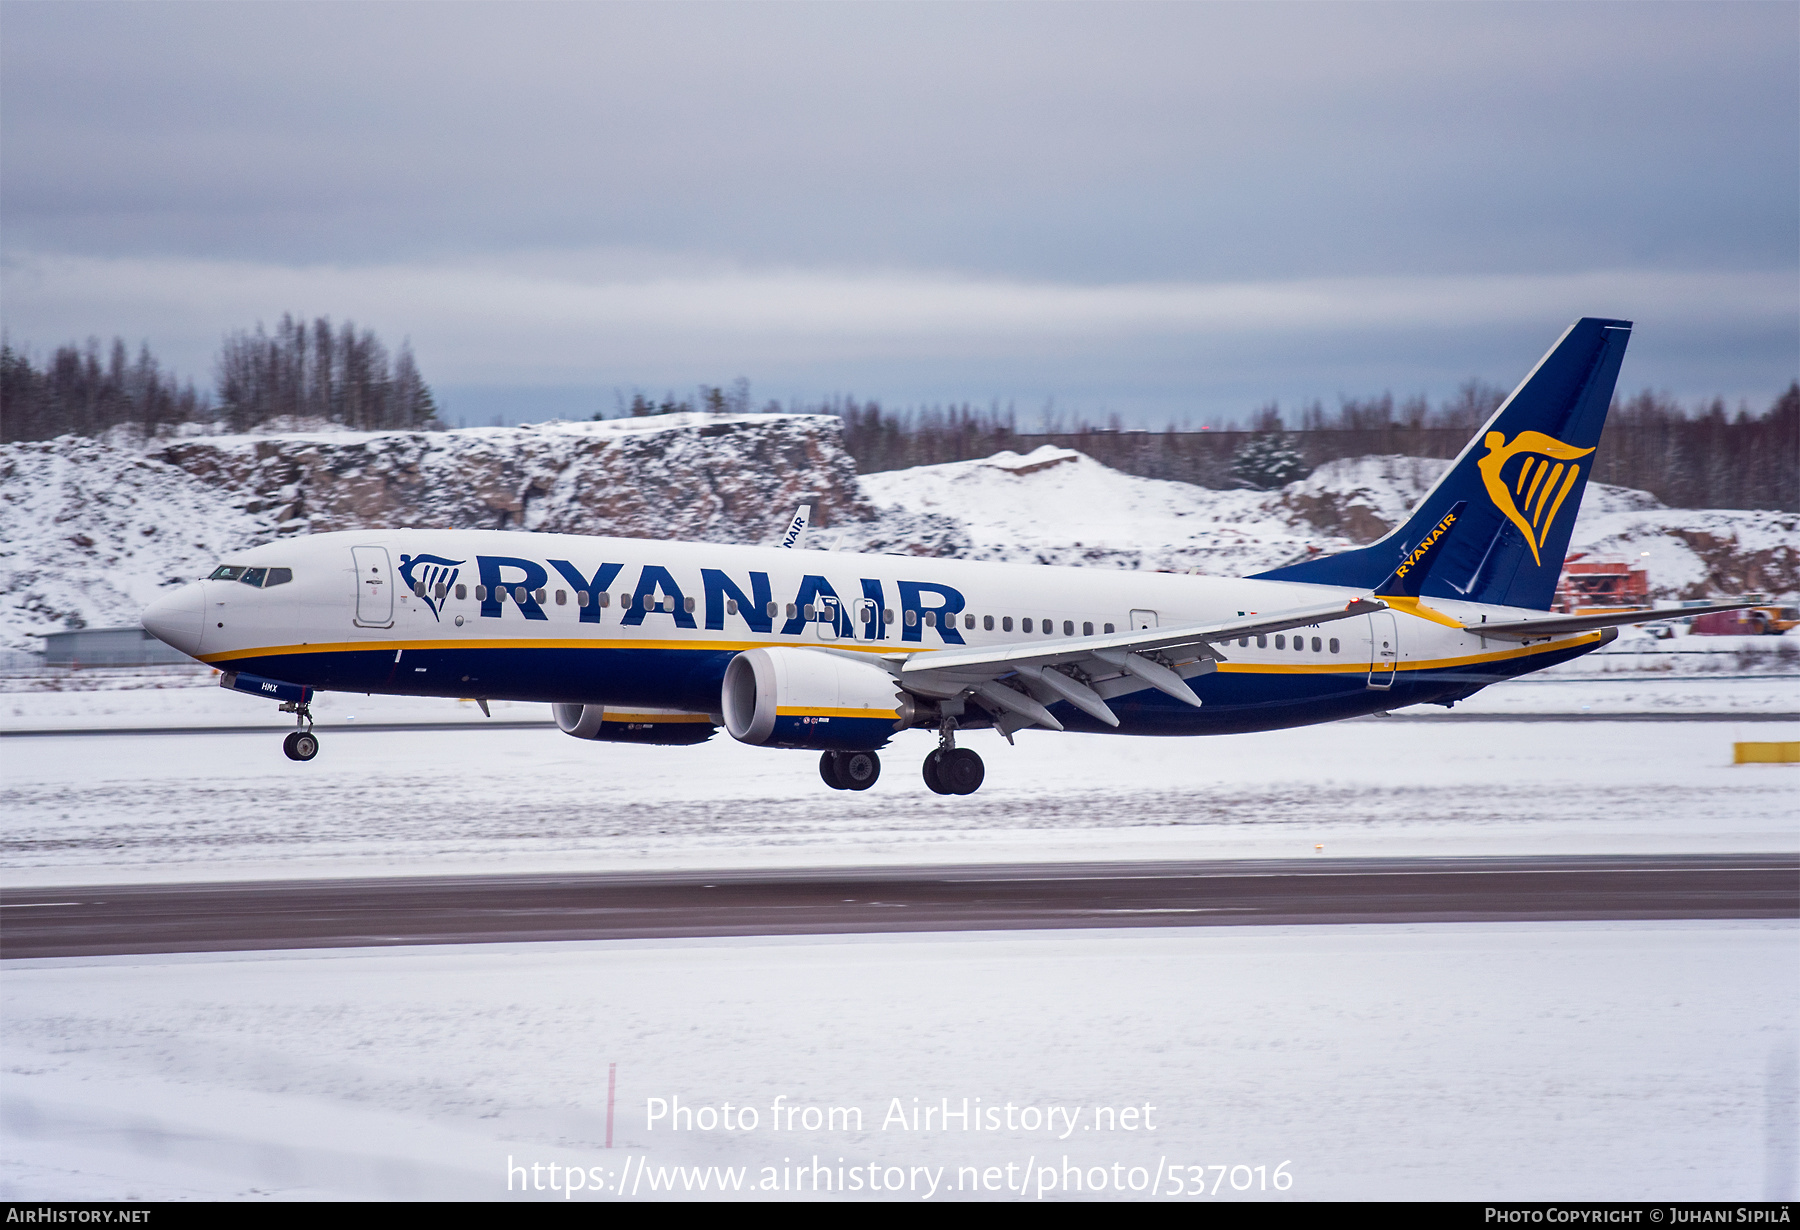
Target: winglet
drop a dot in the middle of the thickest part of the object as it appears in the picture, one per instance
(797, 530)
(1408, 578)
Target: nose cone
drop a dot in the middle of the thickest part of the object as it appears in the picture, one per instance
(179, 618)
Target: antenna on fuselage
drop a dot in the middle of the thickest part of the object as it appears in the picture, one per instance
(797, 529)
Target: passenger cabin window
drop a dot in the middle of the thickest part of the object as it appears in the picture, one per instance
(912, 618)
(1025, 625)
(1315, 644)
(772, 610)
(887, 615)
(968, 621)
(1068, 627)
(418, 589)
(1109, 629)
(688, 605)
(931, 619)
(1049, 627)
(1262, 642)
(481, 593)
(1334, 644)
(581, 597)
(462, 592)
(562, 597)
(731, 606)
(1087, 629)
(1006, 624)
(1280, 641)
(987, 623)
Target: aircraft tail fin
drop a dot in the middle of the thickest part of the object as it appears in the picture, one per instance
(1408, 578)
(1518, 484)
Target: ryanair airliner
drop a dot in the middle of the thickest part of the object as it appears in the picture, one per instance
(663, 642)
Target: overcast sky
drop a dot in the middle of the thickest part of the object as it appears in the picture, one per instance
(1173, 210)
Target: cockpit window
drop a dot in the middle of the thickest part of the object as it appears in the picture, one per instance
(258, 578)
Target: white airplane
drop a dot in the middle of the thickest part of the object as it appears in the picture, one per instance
(663, 642)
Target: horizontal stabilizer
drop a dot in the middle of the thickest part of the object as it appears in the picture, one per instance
(1535, 629)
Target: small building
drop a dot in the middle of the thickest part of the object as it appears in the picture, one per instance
(110, 647)
(1593, 585)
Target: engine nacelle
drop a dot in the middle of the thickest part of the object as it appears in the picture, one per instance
(806, 698)
(639, 724)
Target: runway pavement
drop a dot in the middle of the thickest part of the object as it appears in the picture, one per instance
(63, 922)
(337, 728)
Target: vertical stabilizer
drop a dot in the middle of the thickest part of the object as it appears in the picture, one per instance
(1521, 479)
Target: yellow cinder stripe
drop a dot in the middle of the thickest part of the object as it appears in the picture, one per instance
(1423, 664)
(1242, 667)
(883, 714)
(553, 643)
(1411, 607)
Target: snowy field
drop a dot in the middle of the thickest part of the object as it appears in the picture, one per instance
(1598, 1061)
(222, 805)
(1641, 1060)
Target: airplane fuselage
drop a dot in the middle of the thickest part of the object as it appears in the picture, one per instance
(577, 620)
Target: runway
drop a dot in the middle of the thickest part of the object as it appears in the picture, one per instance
(336, 728)
(228, 917)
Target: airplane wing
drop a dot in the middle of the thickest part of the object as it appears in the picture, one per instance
(1019, 680)
(1560, 625)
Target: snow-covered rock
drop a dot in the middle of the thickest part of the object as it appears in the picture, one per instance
(1058, 506)
(90, 530)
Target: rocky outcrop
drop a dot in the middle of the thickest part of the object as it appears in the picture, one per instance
(91, 530)
(708, 478)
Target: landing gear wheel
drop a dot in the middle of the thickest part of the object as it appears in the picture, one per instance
(932, 772)
(960, 771)
(858, 770)
(828, 770)
(301, 745)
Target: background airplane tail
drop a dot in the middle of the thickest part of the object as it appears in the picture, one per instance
(1522, 477)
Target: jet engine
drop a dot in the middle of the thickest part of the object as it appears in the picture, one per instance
(634, 724)
(811, 699)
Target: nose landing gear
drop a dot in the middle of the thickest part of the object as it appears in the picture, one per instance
(301, 744)
(952, 769)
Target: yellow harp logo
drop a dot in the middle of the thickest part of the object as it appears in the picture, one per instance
(1534, 491)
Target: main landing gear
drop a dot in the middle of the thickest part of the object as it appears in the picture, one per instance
(952, 769)
(849, 770)
(301, 744)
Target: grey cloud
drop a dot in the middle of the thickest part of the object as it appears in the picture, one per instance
(1059, 141)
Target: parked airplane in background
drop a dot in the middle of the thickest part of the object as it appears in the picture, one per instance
(663, 642)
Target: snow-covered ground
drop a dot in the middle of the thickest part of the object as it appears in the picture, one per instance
(1531, 1061)
(1564, 1061)
(121, 808)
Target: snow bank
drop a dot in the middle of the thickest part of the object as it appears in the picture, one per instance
(1550, 1061)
